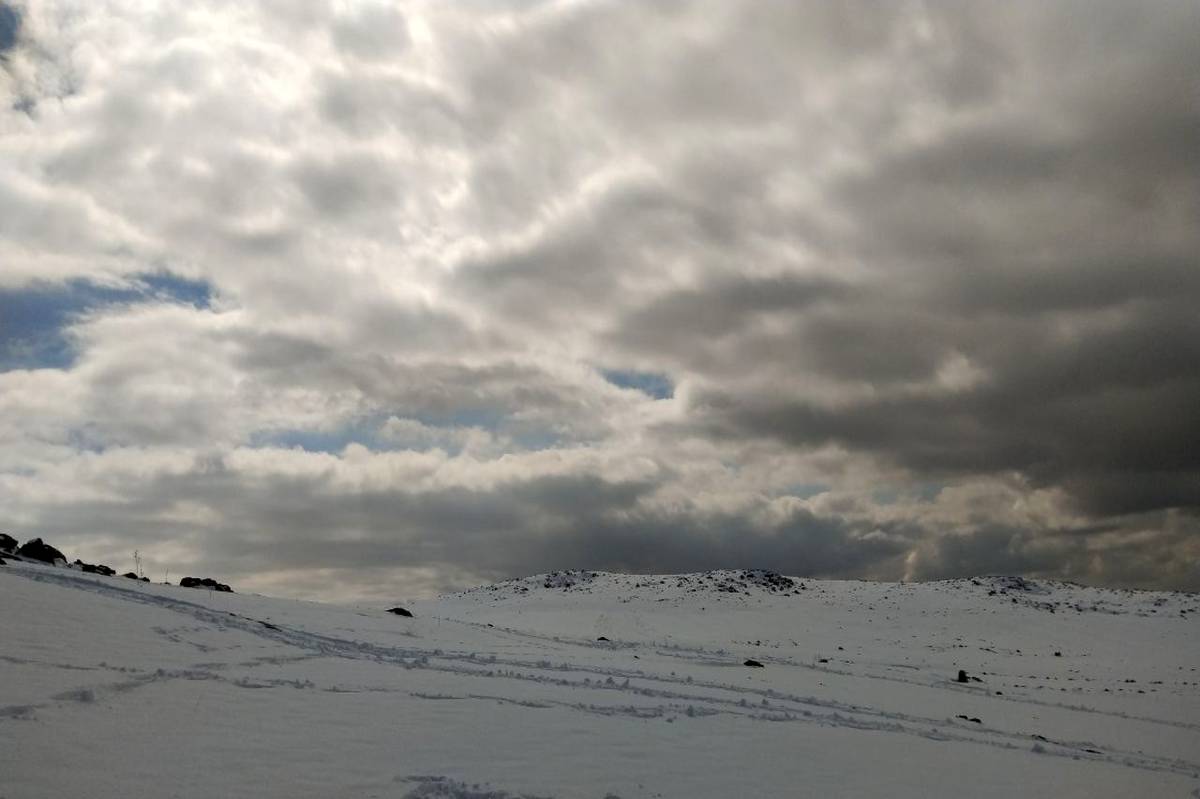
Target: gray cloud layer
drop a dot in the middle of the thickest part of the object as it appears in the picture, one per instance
(923, 277)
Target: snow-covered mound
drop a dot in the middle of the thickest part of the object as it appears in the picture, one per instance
(629, 586)
(742, 585)
(588, 684)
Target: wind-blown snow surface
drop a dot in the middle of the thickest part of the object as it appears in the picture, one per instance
(110, 687)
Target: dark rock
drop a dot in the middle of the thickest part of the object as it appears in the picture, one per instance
(566, 580)
(130, 575)
(268, 625)
(754, 664)
(1058, 654)
(7, 543)
(38, 550)
(962, 676)
(97, 568)
(145, 579)
(204, 582)
(602, 638)
(401, 612)
(1, 561)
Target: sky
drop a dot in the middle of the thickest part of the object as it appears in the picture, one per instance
(363, 300)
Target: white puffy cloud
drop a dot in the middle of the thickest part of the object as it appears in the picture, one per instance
(901, 291)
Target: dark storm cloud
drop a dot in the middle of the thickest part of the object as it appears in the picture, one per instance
(802, 544)
(683, 321)
(1115, 448)
(1051, 250)
(1161, 553)
(524, 526)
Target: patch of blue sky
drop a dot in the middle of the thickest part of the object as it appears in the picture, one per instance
(921, 492)
(367, 431)
(656, 385)
(533, 441)
(34, 320)
(803, 490)
(332, 441)
(885, 496)
(85, 440)
(487, 418)
(169, 287)
(362, 430)
(10, 27)
(524, 435)
(927, 492)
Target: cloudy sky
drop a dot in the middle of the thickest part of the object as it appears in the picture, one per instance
(362, 300)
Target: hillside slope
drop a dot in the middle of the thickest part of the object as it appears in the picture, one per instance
(585, 684)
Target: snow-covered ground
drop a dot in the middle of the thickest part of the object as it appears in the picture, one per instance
(115, 688)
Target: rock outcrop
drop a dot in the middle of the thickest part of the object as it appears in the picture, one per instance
(95, 568)
(205, 582)
(39, 550)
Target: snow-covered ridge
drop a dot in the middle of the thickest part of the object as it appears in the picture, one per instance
(730, 581)
(742, 585)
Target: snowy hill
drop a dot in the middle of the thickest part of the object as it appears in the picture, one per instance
(586, 684)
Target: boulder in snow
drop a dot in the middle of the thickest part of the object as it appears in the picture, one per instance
(401, 612)
(754, 664)
(94, 568)
(7, 543)
(204, 582)
(39, 550)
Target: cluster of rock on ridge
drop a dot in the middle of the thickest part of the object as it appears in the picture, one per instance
(38, 551)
